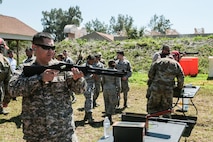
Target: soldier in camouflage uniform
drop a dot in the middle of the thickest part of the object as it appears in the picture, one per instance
(165, 52)
(47, 112)
(111, 89)
(162, 76)
(67, 59)
(5, 75)
(89, 93)
(98, 80)
(30, 55)
(123, 64)
(158, 55)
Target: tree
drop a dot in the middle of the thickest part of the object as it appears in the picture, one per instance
(55, 20)
(123, 24)
(96, 25)
(159, 24)
(133, 33)
(141, 31)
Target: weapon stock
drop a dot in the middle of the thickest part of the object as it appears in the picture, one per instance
(33, 70)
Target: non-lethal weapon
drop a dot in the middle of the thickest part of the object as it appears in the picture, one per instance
(188, 53)
(33, 70)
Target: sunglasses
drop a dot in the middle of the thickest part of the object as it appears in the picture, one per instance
(46, 47)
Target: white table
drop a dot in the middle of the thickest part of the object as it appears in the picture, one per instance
(159, 132)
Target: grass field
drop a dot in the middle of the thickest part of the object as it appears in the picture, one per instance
(11, 128)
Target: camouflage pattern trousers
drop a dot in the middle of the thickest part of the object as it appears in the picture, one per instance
(159, 100)
(125, 89)
(88, 94)
(110, 100)
(97, 90)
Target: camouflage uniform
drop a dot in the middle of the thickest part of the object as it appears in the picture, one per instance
(72, 94)
(46, 107)
(124, 65)
(161, 78)
(111, 89)
(157, 56)
(89, 93)
(161, 54)
(5, 75)
(31, 59)
(97, 83)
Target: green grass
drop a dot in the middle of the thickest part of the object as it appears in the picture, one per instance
(202, 80)
(11, 129)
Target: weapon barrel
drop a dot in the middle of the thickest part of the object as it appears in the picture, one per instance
(189, 53)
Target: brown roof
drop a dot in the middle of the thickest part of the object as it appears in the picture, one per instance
(98, 36)
(12, 28)
(106, 36)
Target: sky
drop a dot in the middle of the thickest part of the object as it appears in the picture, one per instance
(184, 15)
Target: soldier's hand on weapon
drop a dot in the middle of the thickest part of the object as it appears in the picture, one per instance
(182, 54)
(95, 76)
(5, 104)
(124, 78)
(49, 74)
(76, 74)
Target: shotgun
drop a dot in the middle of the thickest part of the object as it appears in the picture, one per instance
(188, 53)
(36, 69)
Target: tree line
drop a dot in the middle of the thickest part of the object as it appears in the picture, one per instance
(55, 20)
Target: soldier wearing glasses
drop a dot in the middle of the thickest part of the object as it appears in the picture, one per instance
(47, 112)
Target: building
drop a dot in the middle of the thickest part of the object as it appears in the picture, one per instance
(12, 29)
(74, 32)
(98, 36)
